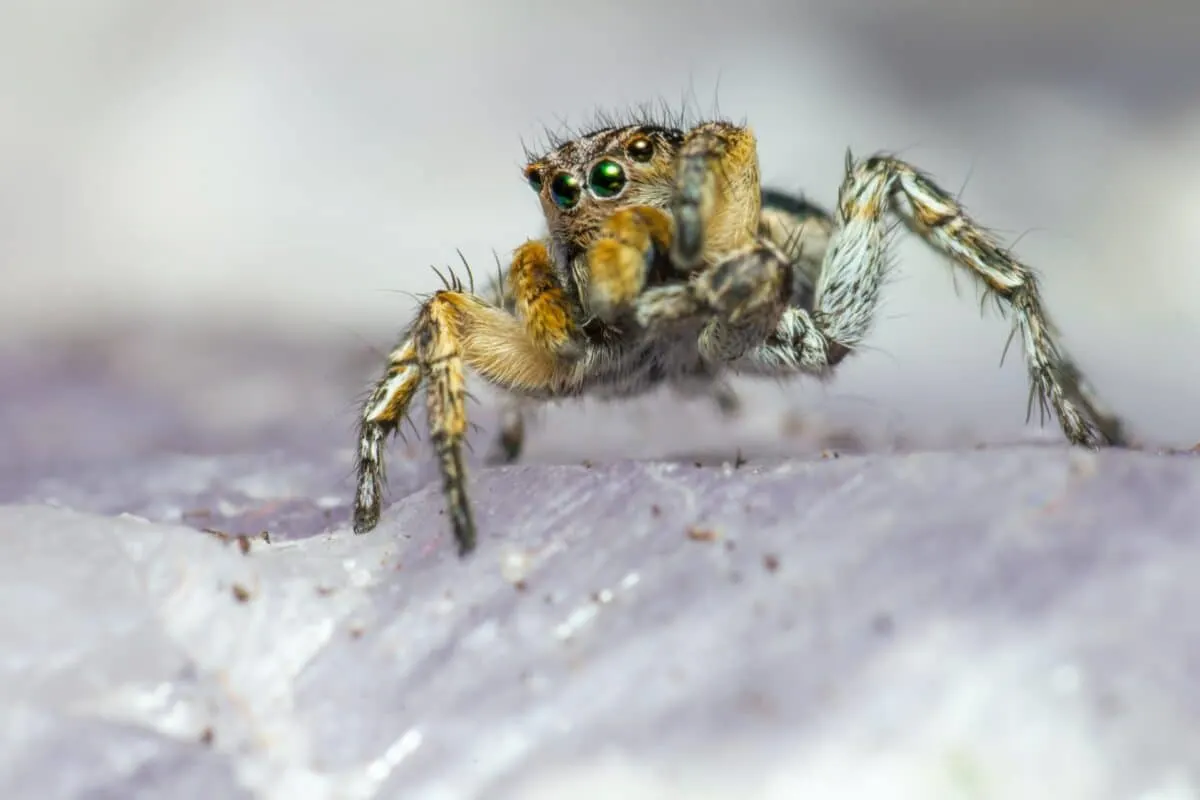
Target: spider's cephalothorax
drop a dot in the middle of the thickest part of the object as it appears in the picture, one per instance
(666, 262)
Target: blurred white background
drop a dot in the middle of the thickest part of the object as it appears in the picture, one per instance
(285, 166)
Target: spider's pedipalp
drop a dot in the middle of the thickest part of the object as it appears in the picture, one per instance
(717, 195)
(620, 259)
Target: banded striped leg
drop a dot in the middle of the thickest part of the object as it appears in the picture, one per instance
(856, 264)
(455, 330)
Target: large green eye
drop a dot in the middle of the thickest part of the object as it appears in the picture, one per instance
(564, 190)
(607, 178)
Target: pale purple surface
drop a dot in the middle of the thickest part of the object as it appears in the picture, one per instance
(1002, 622)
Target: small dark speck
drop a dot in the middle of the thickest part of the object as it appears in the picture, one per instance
(883, 624)
(771, 562)
(241, 593)
(739, 460)
(325, 591)
(830, 454)
(356, 632)
(730, 545)
(698, 464)
(207, 736)
(243, 543)
(655, 510)
(520, 586)
(587, 464)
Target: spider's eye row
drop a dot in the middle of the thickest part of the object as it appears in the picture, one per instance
(565, 190)
(607, 178)
(534, 176)
(641, 149)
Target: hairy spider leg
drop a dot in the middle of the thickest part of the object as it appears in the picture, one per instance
(857, 263)
(454, 330)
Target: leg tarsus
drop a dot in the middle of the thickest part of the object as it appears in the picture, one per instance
(371, 478)
(382, 414)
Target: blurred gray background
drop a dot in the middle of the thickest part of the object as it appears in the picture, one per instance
(179, 181)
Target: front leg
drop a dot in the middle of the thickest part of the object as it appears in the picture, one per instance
(454, 330)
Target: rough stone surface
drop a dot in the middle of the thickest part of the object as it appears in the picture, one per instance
(1008, 622)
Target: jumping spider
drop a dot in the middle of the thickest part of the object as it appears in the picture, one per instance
(667, 263)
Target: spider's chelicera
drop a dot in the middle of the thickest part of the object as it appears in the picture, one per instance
(666, 262)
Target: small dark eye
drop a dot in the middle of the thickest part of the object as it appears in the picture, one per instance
(641, 149)
(607, 178)
(564, 190)
(534, 176)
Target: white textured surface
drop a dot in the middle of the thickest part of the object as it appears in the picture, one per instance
(1000, 624)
